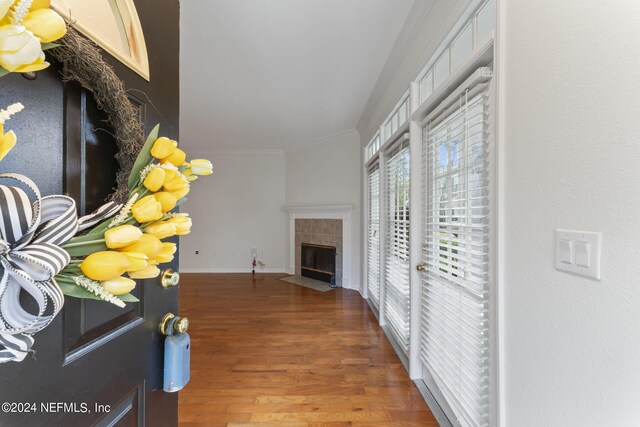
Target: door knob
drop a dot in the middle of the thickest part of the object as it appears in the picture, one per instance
(180, 325)
(170, 278)
(421, 267)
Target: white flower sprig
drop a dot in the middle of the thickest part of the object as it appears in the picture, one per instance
(20, 11)
(97, 289)
(123, 215)
(147, 169)
(10, 111)
(175, 214)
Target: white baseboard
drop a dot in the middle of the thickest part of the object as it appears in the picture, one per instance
(232, 270)
(348, 286)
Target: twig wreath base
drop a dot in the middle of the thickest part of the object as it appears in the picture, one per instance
(51, 254)
(82, 62)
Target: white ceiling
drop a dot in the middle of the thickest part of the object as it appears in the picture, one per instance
(274, 74)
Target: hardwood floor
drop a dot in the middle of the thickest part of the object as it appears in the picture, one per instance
(269, 353)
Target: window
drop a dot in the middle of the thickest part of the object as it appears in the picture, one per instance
(372, 147)
(484, 22)
(442, 69)
(387, 130)
(373, 234)
(426, 86)
(397, 118)
(455, 285)
(397, 267)
(476, 31)
(451, 341)
(462, 47)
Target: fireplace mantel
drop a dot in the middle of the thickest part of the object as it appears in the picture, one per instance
(343, 212)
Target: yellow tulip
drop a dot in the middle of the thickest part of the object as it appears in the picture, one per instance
(179, 194)
(4, 8)
(119, 285)
(7, 141)
(137, 260)
(182, 223)
(148, 244)
(177, 183)
(20, 50)
(45, 24)
(166, 253)
(170, 174)
(201, 167)
(121, 236)
(146, 209)
(177, 158)
(154, 179)
(37, 65)
(168, 247)
(105, 265)
(146, 273)
(164, 258)
(6, 5)
(40, 4)
(163, 147)
(189, 174)
(161, 229)
(167, 200)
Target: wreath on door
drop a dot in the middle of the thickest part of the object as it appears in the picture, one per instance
(46, 250)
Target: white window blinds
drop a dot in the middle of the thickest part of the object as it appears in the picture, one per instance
(373, 234)
(455, 288)
(396, 271)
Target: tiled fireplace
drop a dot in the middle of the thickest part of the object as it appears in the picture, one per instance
(324, 232)
(325, 225)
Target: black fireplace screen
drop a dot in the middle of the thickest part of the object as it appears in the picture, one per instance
(319, 262)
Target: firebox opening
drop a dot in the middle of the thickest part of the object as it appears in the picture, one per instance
(319, 262)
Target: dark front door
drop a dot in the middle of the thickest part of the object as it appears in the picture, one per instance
(96, 364)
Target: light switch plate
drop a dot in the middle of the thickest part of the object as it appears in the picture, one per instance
(566, 251)
(583, 254)
(579, 253)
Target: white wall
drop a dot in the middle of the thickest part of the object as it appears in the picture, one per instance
(329, 173)
(325, 173)
(235, 209)
(428, 23)
(571, 139)
(241, 205)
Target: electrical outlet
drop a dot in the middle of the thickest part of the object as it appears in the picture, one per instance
(197, 252)
(254, 252)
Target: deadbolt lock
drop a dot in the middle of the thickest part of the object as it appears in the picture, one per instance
(170, 278)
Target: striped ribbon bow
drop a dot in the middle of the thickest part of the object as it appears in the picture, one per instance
(31, 234)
